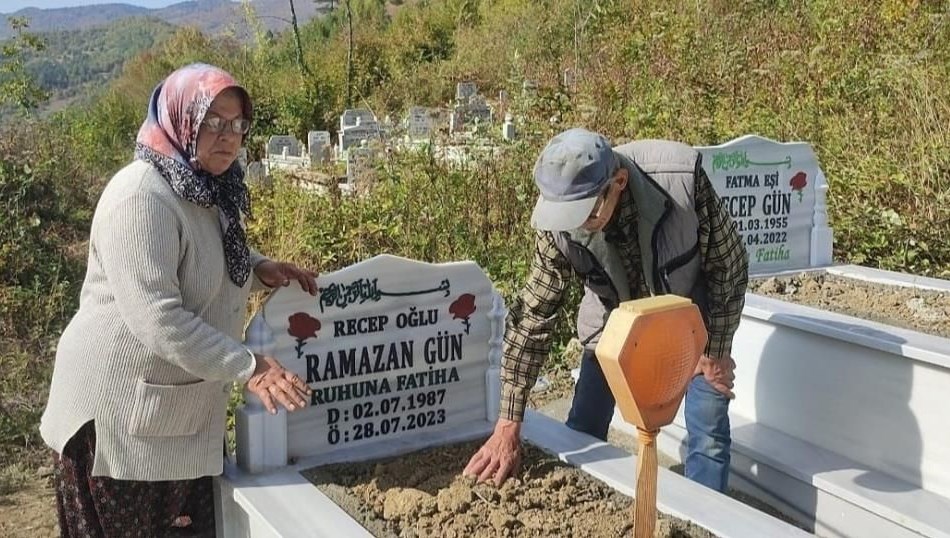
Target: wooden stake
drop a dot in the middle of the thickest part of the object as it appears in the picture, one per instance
(644, 505)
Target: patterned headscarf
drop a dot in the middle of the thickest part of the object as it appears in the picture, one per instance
(169, 139)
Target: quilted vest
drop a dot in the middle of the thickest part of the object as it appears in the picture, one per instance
(662, 183)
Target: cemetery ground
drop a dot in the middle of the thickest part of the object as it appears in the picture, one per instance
(27, 502)
(424, 494)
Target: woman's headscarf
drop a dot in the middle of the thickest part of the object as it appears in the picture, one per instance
(169, 138)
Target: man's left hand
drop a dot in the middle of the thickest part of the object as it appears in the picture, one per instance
(720, 373)
(274, 274)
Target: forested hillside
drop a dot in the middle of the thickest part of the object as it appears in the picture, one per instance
(868, 83)
(79, 62)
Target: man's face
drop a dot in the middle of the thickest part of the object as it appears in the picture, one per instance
(606, 203)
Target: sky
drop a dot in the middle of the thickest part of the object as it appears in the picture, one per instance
(9, 6)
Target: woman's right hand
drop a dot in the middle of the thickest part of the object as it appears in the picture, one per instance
(273, 384)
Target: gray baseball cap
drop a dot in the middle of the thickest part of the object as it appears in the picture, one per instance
(571, 172)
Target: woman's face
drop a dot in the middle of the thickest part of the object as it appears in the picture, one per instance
(216, 151)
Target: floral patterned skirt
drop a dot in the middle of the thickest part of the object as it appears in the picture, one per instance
(99, 506)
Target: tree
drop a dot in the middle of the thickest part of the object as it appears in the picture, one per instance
(300, 62)
(17, 87)
(349, 55)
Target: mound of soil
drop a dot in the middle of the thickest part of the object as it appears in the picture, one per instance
(423, 494)
(926, 311)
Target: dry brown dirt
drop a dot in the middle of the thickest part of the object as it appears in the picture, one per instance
(423, 494)
(30, 511)
(911, 308)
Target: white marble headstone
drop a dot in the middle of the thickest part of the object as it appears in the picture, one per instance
(395, 351)
(277, 144)
(775, 192)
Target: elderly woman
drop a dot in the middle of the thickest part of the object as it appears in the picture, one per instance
(136, 411)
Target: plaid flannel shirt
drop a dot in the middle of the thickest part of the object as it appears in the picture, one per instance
(533, 314)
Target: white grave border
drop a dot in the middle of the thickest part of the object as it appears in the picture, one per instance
(283, 503)
(265, 495)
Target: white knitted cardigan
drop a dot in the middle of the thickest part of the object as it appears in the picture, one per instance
(156, 344)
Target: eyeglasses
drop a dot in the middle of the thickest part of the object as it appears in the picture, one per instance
(217, 125)
(599, 205)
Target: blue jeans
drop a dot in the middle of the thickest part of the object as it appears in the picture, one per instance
(707, 421)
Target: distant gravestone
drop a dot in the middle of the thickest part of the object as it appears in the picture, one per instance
(775, 192)
(395, 351)
(357, 125)
(356, 116)
(255, 174)
(278, 143)
(359, 164)
(508, 128)
(465, 90)
(356, 135)
(479, 110)
(318, 146)
(419, 122)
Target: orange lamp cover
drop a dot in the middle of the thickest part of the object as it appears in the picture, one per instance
(648, 353)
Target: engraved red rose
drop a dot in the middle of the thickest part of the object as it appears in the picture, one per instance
(302, 326)
(462, 308)
(798, 183)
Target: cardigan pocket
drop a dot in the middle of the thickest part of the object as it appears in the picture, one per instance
(171, 410)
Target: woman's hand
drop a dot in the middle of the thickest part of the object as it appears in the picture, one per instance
(274, 274)
(272, 383)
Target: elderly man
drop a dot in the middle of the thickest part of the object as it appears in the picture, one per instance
(638, 220)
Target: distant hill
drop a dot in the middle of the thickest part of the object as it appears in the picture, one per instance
(77, 60)
(211, 16)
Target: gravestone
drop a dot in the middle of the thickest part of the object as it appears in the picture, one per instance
(357, 125)
(278, 143)
(775, 192)
(318, 146)
(419, 122)
(508, 128)
(357, 116)
(359, 164)
(254, 175)
(465, 91)
(397, 352)
(242, 158)
(478, 109)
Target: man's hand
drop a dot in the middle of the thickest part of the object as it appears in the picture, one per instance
(273, 384)
(275, 274)
(500, 456)
(720, 373)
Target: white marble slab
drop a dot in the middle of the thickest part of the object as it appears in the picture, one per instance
(775, 193)
(392, 348)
